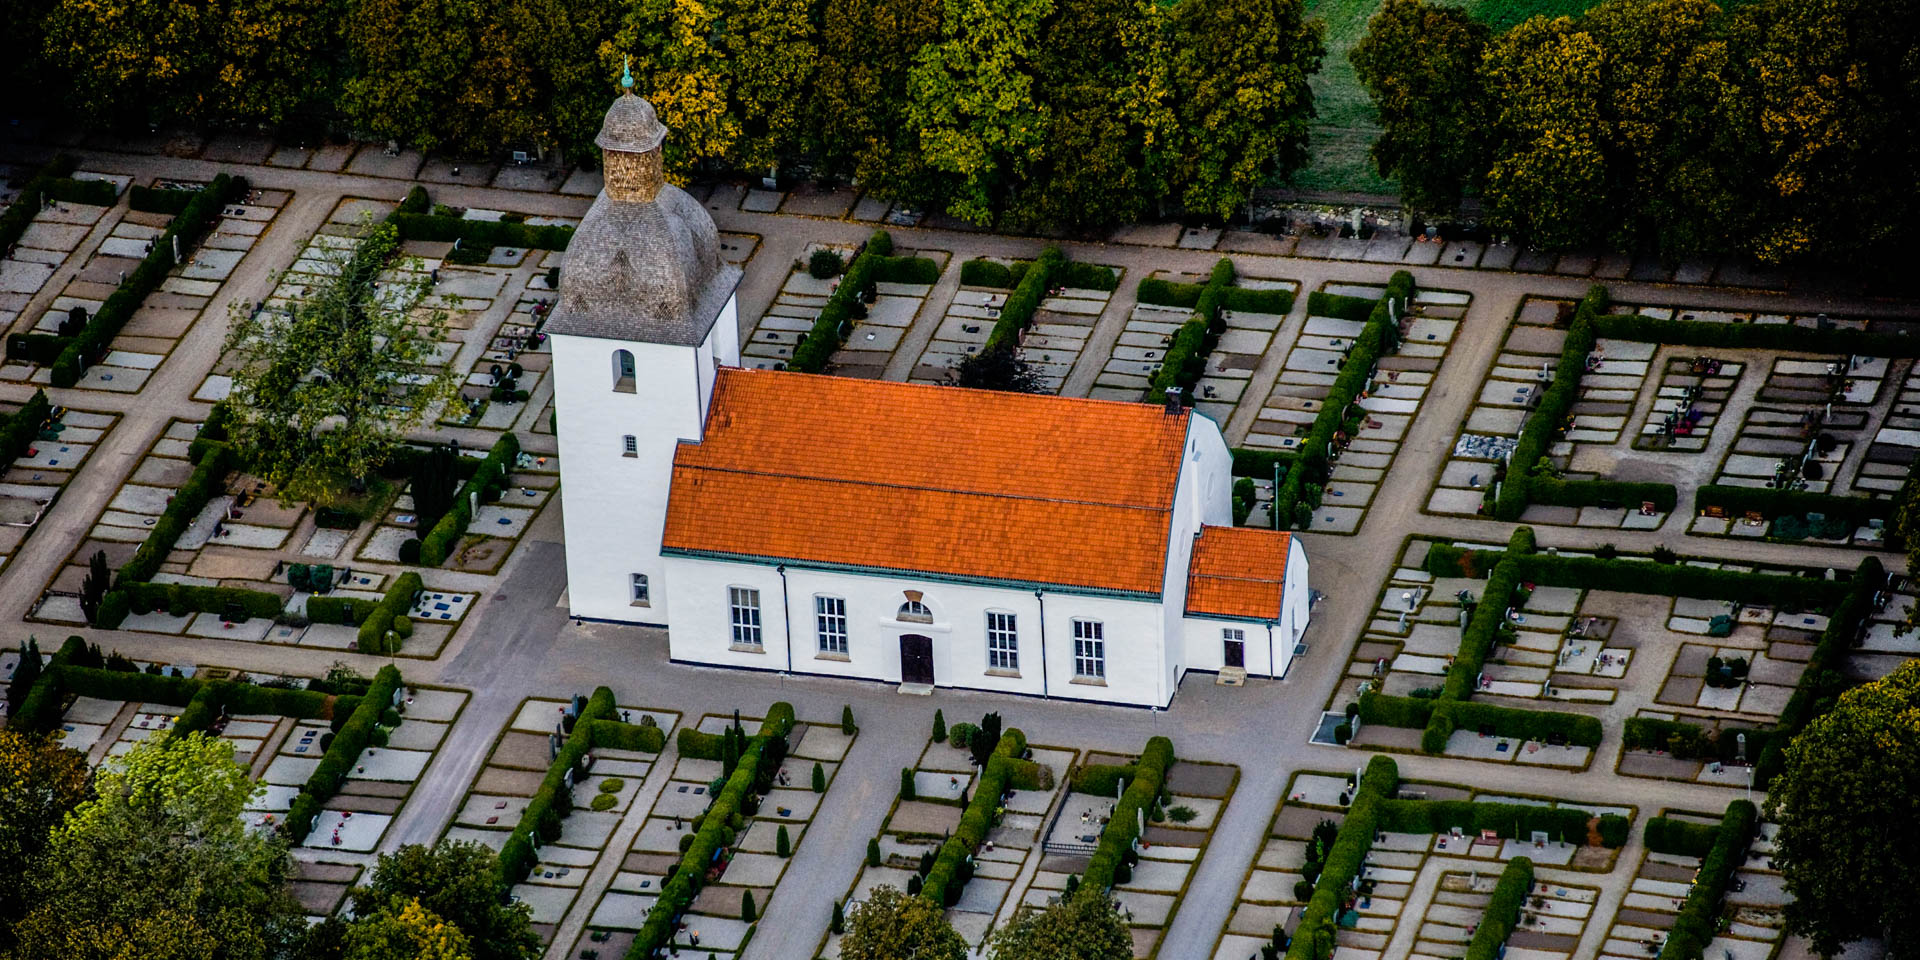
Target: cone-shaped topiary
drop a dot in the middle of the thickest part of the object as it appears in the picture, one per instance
(939, 727)
(782, 846)
(819, 778)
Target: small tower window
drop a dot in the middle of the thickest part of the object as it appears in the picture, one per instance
(642, 596)
(913, 611)
(629, 446)
(623, 371)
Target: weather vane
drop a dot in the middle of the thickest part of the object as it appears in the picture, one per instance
(626, 73)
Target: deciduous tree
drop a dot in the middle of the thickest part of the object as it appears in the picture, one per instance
(454, 881)
(891, 925)
(866, 48)
(323, 392)
(1548, 180)
(40, 781)
(404, 931)
(1420, 63)
(1848, 804)
(971, 98)
(1083, 926)
(159, 864)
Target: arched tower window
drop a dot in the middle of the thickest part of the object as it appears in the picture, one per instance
(913, 611)
(623, 371)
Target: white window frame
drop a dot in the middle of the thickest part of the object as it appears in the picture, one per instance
(743, 615)
(1089, 650)
(1234, 635)
(830, 624)
(640, 589)
(914, 611)
(1003, 641)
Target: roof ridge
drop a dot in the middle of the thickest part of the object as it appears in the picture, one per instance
(1012, 395)
(1122, 504)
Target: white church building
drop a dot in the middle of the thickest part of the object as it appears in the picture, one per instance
(904, 533)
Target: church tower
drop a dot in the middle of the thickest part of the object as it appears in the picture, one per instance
(646, 314)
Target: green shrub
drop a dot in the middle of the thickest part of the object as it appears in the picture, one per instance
(98, 193)
(351, 736)
(208, 477)
(1027, 294)
(157, 200)
(1086, 276)
(911, 270)
(416, 201)
(19, 215)
(1323, 304)
(986, 273)
(782, 844)
(1244, 300)
(379, 624)
(830, 327)
(940, 727)
(1101, 779)
(907, 789)
(1680, 837)
(1185, 361)
(1699, 918)
(1259, 464)
(819, 778)
(403, 626)
(1613, 830)
(491, 474)
(479, 234)
(1507, 820)
(961, 735)
(1343, 859)
(615, 735)
(1142, 792)
(1543, 425)
(1503, 910)
(847, 727)
(1163, 293)
(602, 802)
(824, 264)
(947, 877)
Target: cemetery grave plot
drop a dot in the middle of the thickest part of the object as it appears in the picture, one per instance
(1555, 650)
(1151, 328)
(512, 775)
(753, 866)
(1437, 882)
(494, 529)
(1050, 344)
(166, 315)
(1388, 406)
(1692, 393)
(34, 480)
(872, 339)
(1169, 848)
(1802, 400)
(1008, 870)
(1753, 911)
(57, 230)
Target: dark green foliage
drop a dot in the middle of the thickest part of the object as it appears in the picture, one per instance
(1259, 463)
(410, 550)
(834, 322)
(1323, 304)
(873, 853)
(998, 367)
(1185, 361)
(1699, 918)
(782, 844)
(212, 464)
(99, 193)
(1086, 276)
(433, 484)
(348, 611)
(350, 737)
(986, 740)
(907, 789)
(615, 735)
(20, 429)
(847, 726)
(1755, 336)
(19, 214)
(1243, 498)
(1613, 830)
(1027, 293)
(1822, 682)
(416, 201)
(479, 234)
(1544, 424)
(1247, 300)
(94, 587)
(1503, 910)
(399, 599)
(1771, 504)
(1508, 820)
(24, 675)
(488, 480)
(824, 264)
(947, 877)
(1143, 792)
(1680, 837)
(819, 778)
(1166, 293)
(986, 273)
(1577, 729)
(1447, 560)
(838, 922)
(40, 348)
(748, 912)
(1343, 860)
(939, 726)
(158, 200)
(906, 270)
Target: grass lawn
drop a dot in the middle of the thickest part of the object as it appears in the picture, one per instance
(1346, 125)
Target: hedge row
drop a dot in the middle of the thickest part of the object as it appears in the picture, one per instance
(1087, 276)
(1681, 580)
(1323, 304)
(98, 193)
(347, 611)
(1822, 681)
(159, 200)
(488, 480)
(1017, 312)
(1757, 336)
(1165, 293)
(1543, 425)
(21, 428)
(1699, 918)
(193, 221)
(1687, 741)
(1739, 501)
(1247, 300)
(1503, 910)
(1577, 729)
(1447, 560)
(1123, 825)
(1350, 846)
(1101, 779)
(1260, 464)
(814, 352)
(180, 599)
(993, 273)
(479, 234)
(945, 881)
(39, 711)
(19, 215)
(1681, 838)
(680, 887)
(518, 854)
(1511, 821)
(615, 735)
(349, 738)
(1555, 492)
(1409, 713)
(1185, 361)
(374, 630)
(906, 270)
(1379, 334)
(213, 460)
(1476, 641)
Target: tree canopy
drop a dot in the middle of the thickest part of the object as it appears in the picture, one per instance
(1848, 804)
(40, 781)
(891, 925)
(1083, 926)
(453, 882)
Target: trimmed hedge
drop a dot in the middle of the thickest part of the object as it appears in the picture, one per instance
(349, 738)
(347, 611)
(178, 598)
(488, 480)
(1447, 560)
(1503, 910)
(1123, 826)
(992, 273)
(1025, 299)
(98, 193)
(1556, 492)
(1323, 304)
(1511, 821)
(816, 350)
(193, 221)
(1380, 333)
(906, 270)
(18, 216)
(1186, 360)
(40, 709)
(683, 882)
(21, 428)
(1699, 918)
(1343, 860)
(1680, 580)
(399, 599)
(1388, 711)
(1822, 682)
(1248, 462)
(40, 348)
(1249, 300)
(615, 735)
(1101, 779)
(158, 200)
(1476, 641)
(698, 745)
(944, 882)
(1537, 437)
(1087, 276)
(1756, 336)
(1165, 293)
(518, 854)
(1680, 837)
(479, 234)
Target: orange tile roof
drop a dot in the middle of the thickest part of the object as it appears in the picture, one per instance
(937, 480)
(1237, 572)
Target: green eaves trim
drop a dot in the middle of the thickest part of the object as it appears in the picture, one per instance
(1151, 596)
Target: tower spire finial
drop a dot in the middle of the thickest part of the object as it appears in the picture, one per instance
(626, 74)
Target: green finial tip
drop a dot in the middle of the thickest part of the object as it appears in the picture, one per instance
(626, 73)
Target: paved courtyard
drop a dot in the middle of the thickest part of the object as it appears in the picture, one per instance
(519, 645)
